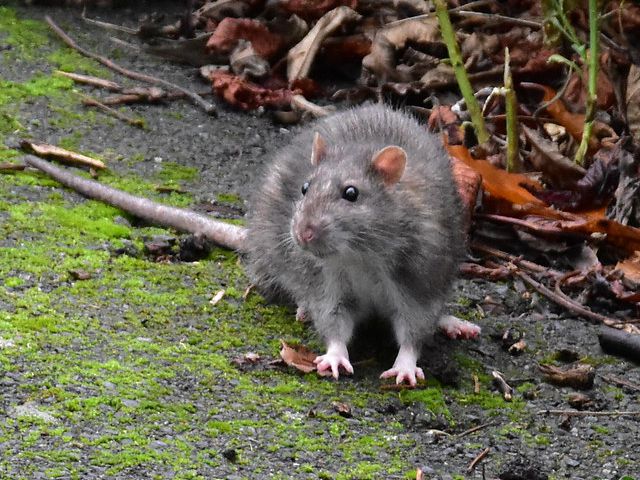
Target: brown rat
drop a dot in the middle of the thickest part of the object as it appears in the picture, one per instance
(357, 217)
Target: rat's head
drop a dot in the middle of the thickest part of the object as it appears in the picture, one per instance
(347, 202)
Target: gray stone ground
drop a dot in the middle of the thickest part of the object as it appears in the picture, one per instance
(134, 374)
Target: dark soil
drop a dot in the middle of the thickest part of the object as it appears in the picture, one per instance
(132, 373)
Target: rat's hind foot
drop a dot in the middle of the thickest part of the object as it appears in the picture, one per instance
(404, 368)
(454, 327)
(337, 356)
(409, 375)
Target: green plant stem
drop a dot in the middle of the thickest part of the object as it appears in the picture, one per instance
(466, 89)
(592, 83)
(511, 106)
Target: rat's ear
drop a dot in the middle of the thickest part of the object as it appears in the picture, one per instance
(318, 149)
(389, 163)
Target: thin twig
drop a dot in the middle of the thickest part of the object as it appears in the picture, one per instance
(109, 26)
(621, 382)
(499, 18)
(585, 413)
(475, 429)
(195, 98)
(564, 301)
(92, 102)
(478, 459)
(90, 80)
(526, 264)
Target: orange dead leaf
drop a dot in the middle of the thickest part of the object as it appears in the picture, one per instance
(468, 182)
(231, 30)
(298, 356)
(504, 190)
(631, 268)
(573, 122)
(247, 95)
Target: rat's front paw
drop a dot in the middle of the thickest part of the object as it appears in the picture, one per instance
(406, 373)
(454, 327)
(329, 364)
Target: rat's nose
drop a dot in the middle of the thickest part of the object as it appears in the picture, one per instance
(306, 234)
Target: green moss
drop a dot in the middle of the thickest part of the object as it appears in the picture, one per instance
(601, 430)
(229, 198)
(25, 36)
(174, 172)
(432, 398)
(13, 282)
(39, 86)
(69, 60)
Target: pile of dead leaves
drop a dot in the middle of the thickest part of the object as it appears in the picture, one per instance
(577, 225)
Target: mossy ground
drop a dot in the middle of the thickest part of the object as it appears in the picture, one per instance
(131, 373)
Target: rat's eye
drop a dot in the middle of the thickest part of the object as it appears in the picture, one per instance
(305, 187)
(350, 193)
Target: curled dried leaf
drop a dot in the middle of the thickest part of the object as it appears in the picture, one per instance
(247, 95)
(301, 57)
(230, 31)
(580, 376)
(633, 102)
(382, 61)
(298, 356)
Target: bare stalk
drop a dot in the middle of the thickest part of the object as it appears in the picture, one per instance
(511, 106)
(466, 89)
(590, 112)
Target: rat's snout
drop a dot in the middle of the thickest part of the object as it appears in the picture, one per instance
(306, 233)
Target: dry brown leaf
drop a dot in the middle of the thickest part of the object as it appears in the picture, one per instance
(230, 31)
(343, 409)
(382, 62)
(580, 376)
(350, 48)
(298, 356)
(245, 61)
(573, 122)
(468, 182)
(247, 95)
(631, 268)
(221, 9)
(633, 102)
(561, 171)
(313, 9)
(62, 155)
(300, 58)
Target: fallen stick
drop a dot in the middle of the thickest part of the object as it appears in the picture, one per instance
(526, 264)
(90, 80)
(92, 102)
(195, 98)
(586, 413)
(618, 342)
(564, 301)
(621, 382)
(475, 429)
(62, 155)
(224, 234)
(478, 459)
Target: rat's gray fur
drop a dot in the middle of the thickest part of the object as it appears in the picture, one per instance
(392, 253)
